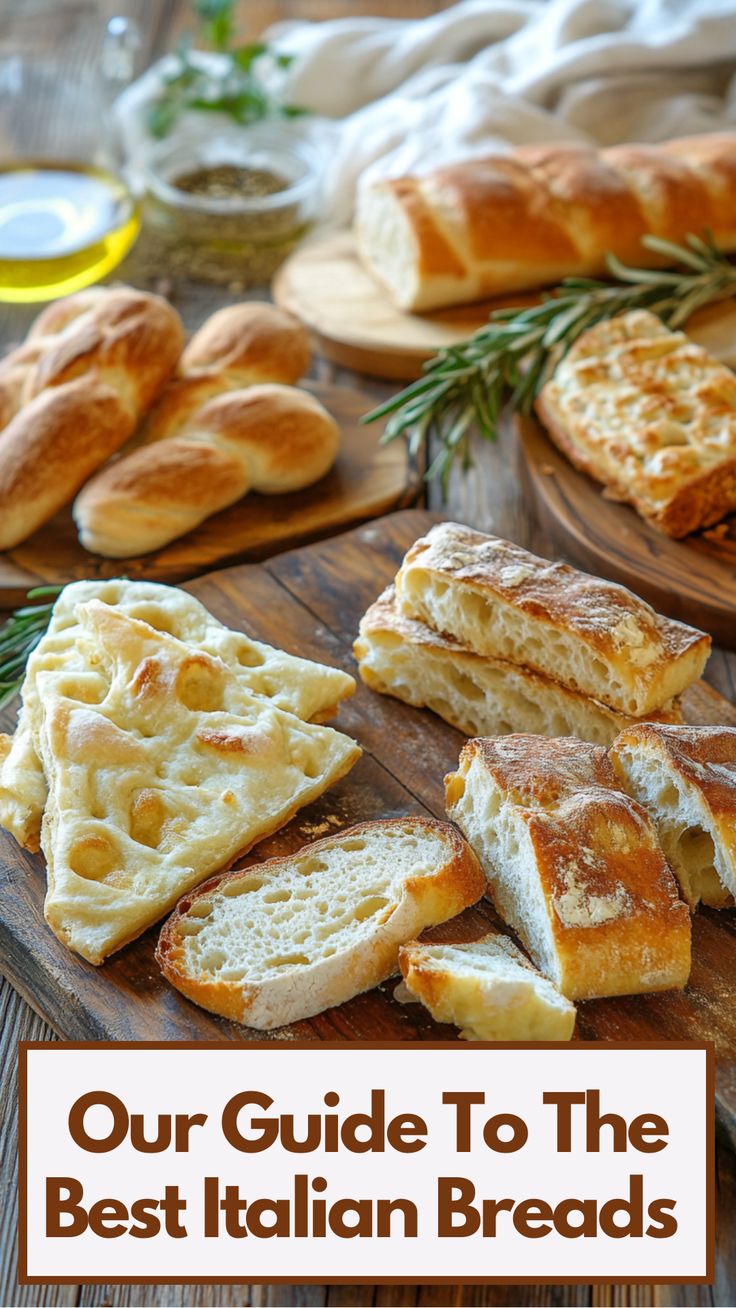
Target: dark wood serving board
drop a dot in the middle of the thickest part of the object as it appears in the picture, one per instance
(310, 601)
(368, 479)
(692, 579)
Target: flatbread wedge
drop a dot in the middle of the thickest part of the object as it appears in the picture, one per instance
(162, 768)
(311, 691)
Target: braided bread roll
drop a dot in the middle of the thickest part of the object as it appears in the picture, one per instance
(542, 212)
(218, 431)
(73, 393)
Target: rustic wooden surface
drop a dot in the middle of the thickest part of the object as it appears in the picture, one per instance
(368, 479)
(490, 499)
(692, 579)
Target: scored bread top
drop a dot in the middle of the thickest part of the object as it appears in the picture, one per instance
(285, 939)
(309, 690)
(593, 635)
(651, 414)
(161, 767)
(611, 911)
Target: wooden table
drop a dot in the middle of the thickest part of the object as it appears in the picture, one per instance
(489, 499)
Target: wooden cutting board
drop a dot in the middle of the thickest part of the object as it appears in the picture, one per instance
(310, 601)
(367, 480)
(692, 579)
(354, 323)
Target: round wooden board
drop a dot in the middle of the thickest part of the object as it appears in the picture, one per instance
(353, 322)
(692, 579)
(367, 481)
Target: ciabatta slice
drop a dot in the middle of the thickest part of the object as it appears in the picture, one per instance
(487, 988)
(686, 777)
(285, 939)
(573, 865)
(593, 636)
(479, 696)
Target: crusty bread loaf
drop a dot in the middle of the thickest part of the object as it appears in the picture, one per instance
(593, 636)
(652, 416)
(269, 438)
(283, 940)
(540, 213)
(487, 988)
(161, 768)
(74, 393)
(573, 865)
(311, 691)
(481, 696)
(686, 777)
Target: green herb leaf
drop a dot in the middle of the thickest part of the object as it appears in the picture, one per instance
(511, 357)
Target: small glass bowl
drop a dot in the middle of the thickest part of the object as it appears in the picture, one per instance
(238, 238)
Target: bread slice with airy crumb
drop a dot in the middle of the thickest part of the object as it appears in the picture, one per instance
(487, 988)
(686, 777)
(284, 940)
(479, 696)
(573, 865)
(593, 636)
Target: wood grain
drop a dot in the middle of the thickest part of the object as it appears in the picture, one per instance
(368, 479)
(355, 324)
(692, 579)
(310, 601)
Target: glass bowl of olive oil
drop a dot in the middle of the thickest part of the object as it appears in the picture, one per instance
(62, 226)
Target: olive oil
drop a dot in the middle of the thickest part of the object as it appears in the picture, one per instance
(62, 227)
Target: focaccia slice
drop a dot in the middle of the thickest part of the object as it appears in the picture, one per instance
(686, 777)
(479, 696)
(162, 768)
(311, 691)
(651, 415)
(573, 865)
(487, 988)
(499, 600)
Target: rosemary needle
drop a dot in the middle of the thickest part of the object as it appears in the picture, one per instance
(511, 357)
(19, 637)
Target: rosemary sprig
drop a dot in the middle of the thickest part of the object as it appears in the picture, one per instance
(510, 358)
(19, 636)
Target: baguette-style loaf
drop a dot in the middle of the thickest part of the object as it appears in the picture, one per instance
(74, 393)
(479, 696)
(539, 213)
(650, 414)
(487, 988)
(283, 940)
(573, 865)
(686, 777)
(269, 438)
(593, 636)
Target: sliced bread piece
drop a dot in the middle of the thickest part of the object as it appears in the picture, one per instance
(497, 599)
(285, 939)
(573, 865)
(487, 988)
(686, 777)
(479, 696)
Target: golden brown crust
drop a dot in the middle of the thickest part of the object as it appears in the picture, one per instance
(514, 221)
(652, 416)
(74, 393)
(653, 657)
(616, 921)
(705, 757)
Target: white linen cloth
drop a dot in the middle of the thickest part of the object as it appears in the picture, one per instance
(393, 96)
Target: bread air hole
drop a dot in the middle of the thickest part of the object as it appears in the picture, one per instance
(199, 687)
(455, 789)
(147, 817)
(235, 888)
(353, 846)
(287, 960)
(369, 907)
(668, 797)
(307, 867)
(277, 897)
(694, 850)
(250, 658)
(95, 858)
